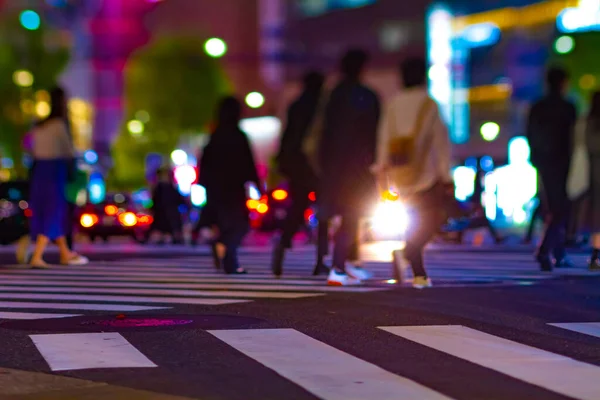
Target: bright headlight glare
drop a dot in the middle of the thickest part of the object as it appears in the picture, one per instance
(390, 218)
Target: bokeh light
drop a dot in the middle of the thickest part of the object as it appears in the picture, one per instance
(23, 78)
(255, 100)
(135, 127)
(179, 157)
(42, 109)
(142, 116)
(215, 47)
(30, 20)
(490, 131)
(564, 44)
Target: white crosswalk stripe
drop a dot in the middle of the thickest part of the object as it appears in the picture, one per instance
(330, 373)
(151, 283)
(134, 284)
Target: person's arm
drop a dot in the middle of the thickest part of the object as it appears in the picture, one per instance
(373, 129)
(383, 138)
(443, 147)
(250, 165)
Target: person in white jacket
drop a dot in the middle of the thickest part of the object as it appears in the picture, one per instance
(413, 160)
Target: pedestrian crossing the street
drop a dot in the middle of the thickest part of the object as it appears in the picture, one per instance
(145, 284)
(330, 373)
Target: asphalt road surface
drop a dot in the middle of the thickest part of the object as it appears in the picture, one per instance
(150, 323)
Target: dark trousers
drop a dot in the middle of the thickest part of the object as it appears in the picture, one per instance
(346, 240)
(70, 223)
(295, 218)
(554, 181)
(426, 218)
(537, 213)
(232, 239)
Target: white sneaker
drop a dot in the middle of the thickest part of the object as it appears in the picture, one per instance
(340, 279)
(358, 272)
(78, 261)
(421, 283)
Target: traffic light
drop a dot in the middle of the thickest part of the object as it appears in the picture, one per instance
(30, 20)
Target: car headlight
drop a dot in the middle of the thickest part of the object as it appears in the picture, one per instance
(390, 218)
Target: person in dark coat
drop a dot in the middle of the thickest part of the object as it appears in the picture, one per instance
(226, 167)
(550, 130)
(166, 201)
(346, 152)
(294, 164)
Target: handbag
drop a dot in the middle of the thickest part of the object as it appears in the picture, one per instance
(405, 156)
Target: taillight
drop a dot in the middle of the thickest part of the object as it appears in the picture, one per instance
(111, 210)
(128, 219)
(312, 196)
(88, 220)
(145, 220)
(280, 194)
(262, 208)
(252, 204)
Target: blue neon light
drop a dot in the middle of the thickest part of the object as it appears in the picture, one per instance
(578, 20)
(485, 34)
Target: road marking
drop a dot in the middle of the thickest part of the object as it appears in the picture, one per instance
(16, 315)
(212, 286)
(222, 279)
(119, 299)
(161, 292)
(325, 371)
(75, 306)
(587, 328)
(550, 371)
(74, 351)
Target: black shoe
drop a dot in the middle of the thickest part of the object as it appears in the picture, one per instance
(546, 264)
(321, 269)
(277, 263)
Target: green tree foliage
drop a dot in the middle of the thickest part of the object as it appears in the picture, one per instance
(583, 65)
(43, 52)
(178, 85)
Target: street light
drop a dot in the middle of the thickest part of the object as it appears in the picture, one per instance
(23, 78)
(215, 47)
(255, 100)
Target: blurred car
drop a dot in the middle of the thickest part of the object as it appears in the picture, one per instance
(114, 217)
(14, 211)
(269, 212)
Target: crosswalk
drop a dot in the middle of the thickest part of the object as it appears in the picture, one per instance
(330, 373)
(146, 284)
(154, 284)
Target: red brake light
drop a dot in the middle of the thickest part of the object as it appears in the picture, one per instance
(312, 196)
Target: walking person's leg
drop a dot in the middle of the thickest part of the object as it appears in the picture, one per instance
(293, 221)
(426, 223)
(232, 239)
(342, 274)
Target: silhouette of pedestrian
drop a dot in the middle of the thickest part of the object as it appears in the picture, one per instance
(550, 130)
(227, 165)
(346, 152)
(294, 164)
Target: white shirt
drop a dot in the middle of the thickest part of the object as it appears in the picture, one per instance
(51, 141)
(399, 119)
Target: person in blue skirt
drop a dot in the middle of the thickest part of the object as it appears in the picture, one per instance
(53, 155)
